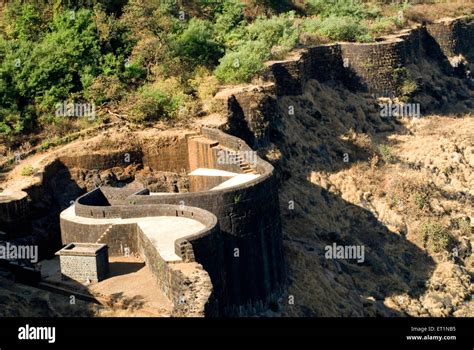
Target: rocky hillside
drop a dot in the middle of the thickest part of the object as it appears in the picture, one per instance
(400, 187)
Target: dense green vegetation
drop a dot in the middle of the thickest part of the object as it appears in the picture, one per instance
(153, 59)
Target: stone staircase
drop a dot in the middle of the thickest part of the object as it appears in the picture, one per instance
(104, 235)
(244, 165)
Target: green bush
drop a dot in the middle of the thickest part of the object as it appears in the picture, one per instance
(274, 31)
(408, 88)
(406, 85)
(11, 122)
(342, 8)
(196, 44)
(45, 145)
(435, 236)
(421, 199)
(162, 100)
(204, 83)
(27, 170)
(133, 73)
(52, 61)
(228, 19)
(26, 21)
(242, 65)
(384, 25)
(255, 46)
(344, 29)
(40, 74)
(386, 154)
(110, 64)
(152, 105)
(463, 225)
(105, 89)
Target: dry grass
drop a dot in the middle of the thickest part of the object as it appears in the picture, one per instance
(337, 200)
(431, 12)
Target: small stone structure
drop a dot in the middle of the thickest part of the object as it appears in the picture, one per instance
(84, 261)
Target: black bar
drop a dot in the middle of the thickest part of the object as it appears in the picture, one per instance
(336, 331)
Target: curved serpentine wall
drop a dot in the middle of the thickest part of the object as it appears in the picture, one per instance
(370, 67)
(243, 260)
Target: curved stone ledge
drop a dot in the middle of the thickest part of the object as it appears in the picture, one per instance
(83, 230)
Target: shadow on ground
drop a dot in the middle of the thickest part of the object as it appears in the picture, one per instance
(314, 141)
(118, 268)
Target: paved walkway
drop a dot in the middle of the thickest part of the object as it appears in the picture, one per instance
(212, 172)
(130, 286)
(239, 179)
(235, 178)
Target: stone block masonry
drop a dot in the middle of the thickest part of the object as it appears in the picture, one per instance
(376, 67)
(251, 123)
(358, 66)
(167, 153)
(370, 66)
(453, 37)
(190, 293)
(84, 261)
(374, 64)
